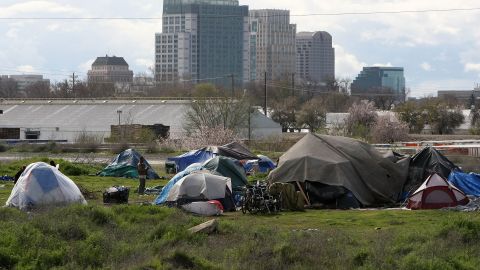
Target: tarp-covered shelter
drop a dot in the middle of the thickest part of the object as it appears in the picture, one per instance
(43, 185)
(233, 150)
(195, 156)
(202, 187)
(426, 162)
(436, 193)
(125, 165)
(469, 183)
(264, 164)
(343, 162)
(228, 167)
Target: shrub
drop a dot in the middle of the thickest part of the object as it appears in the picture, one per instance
(362, 116)
(387, 130)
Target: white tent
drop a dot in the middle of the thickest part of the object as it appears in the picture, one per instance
(435, 193)
(200, 186)
(43, 185)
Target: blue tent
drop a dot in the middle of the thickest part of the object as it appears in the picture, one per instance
(265, 164)
(195, 156)
(162, 198)
(469, 183)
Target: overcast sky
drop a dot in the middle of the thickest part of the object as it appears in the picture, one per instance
(439, 50)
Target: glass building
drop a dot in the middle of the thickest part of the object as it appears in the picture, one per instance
(203, 40)
(380, 80)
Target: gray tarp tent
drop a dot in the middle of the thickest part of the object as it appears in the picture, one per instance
(339, 161)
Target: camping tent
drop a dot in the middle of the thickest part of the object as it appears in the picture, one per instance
(468, 183)
(233, 150)
(162, 197)
(200, 187)
(228, 167)
(345, 162)
(125, 165)
(436, 193)
(426, 162)
(265, 164)
(42, 185)
(195, 156)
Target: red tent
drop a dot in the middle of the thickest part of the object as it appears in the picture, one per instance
(436, 193)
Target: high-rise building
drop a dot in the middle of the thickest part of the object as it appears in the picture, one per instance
(272, 44)
(374, 81)
(315, 57)
(202, 40)
(25, 81)
(110, 69)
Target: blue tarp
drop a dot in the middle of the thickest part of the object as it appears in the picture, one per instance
(469, 183)
(265, 164)
(162, 198)
(195, 156)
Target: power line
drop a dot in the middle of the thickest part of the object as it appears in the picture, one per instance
(241, 16)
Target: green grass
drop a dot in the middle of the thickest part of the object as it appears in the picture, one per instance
(138, 236)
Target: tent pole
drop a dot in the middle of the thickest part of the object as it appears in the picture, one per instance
(303, 193)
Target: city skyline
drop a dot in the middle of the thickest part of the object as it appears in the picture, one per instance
(437, 49)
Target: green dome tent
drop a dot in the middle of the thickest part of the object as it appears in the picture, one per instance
(228, 167)
(125, 165)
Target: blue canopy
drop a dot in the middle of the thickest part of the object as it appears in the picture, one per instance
(265, 164)
(162, 198)
(469, 183)
(195, 156)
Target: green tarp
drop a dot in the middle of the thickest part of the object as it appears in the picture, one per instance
(125, 165)
(228, 167)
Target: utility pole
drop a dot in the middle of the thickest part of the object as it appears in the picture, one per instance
(233, 85)
(74, 77)
(265, 101)
(293, 84)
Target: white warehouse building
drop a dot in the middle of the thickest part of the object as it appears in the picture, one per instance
(65, 120)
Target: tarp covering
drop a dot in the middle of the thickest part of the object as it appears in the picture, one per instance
(228, 167)
(233, 150)
(162, 198)
(339, 161)
(43, 185)
(426, 162)
(265, 164)
(125, 165)
(469, 183)
(195, 156)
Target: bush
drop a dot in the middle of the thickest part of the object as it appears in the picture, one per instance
(387, 130)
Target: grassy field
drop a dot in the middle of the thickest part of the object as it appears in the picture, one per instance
(142, 236)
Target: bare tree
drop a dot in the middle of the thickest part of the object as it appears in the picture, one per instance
(222, 113)
(8, 88)
(38, 90)
(283, 112)
(312, 114)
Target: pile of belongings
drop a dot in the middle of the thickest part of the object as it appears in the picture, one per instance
(125, 165)
(42, 185)
(232, 150)
(342, 172)
(215, 179)
(116, 195)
